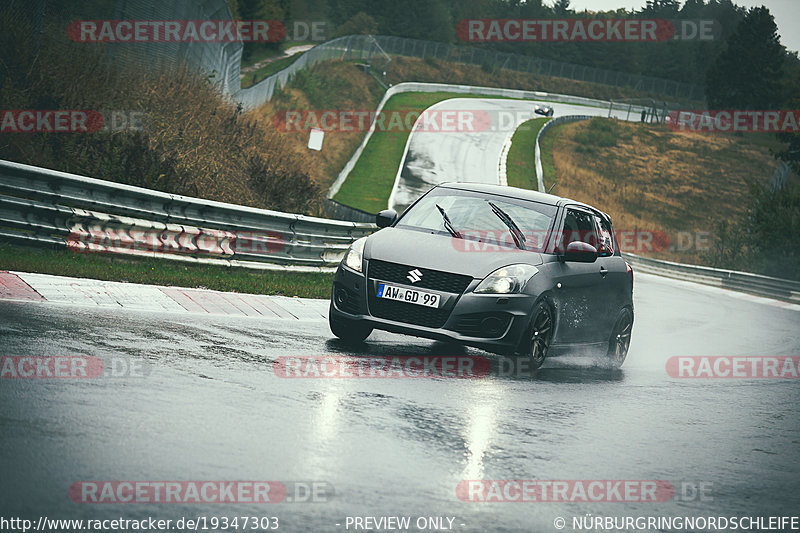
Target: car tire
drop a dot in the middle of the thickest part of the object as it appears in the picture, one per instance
(350, 331)
(539, 335)
(620, 340)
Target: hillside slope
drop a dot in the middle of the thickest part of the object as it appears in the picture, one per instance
(651, 179)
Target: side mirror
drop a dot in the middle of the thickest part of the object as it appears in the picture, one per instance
(580, 252)
(386, 218)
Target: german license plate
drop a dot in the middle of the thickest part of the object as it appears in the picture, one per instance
(412, 296)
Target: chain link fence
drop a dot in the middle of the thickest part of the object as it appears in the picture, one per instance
(47, 22)
(219, 61)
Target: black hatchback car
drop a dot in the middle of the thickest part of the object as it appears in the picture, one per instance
(542, 109)
(507, 270)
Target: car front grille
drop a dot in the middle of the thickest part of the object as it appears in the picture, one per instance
(411, 313)
(430, 279)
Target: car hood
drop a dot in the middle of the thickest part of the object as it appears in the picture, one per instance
(441, 252)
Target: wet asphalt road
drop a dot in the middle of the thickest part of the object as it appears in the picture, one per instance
(211, 408)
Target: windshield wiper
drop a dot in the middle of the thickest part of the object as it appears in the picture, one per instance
(519, 238)
(448, 224)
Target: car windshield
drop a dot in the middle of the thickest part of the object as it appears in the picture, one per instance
(473, 218)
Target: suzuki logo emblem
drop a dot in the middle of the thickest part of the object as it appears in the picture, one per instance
(414, 275)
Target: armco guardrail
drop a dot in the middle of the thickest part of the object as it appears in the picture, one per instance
(776, 288)
(537, 151)
(50, 207)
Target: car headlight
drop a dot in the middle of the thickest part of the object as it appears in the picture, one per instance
(355, 254)
(507, 280)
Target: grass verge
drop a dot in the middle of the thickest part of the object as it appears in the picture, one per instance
(333, 85)
(521, 164)
(62, 262)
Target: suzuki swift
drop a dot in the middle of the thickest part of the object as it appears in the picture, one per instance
(499, 268)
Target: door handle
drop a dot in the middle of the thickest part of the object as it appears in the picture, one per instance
(603, 271)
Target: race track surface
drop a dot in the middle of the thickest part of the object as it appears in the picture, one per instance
(207, 402)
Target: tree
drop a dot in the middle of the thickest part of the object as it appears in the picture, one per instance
(791, 89)
(418, 19)
(260, 10)
(340, 11)
(661, 8)
(692, 9)
(767, 239)
(561, 8)
(234, 7)
(748, 73)
(774, 230)
(359, 24)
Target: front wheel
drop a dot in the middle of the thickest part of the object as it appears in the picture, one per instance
(539, 336)
(350, 331)
(620, 339)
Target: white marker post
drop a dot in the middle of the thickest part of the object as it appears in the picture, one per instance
(315, 139)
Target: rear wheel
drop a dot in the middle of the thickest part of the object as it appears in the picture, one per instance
(350, 331)
(539, 335)
(620, 339)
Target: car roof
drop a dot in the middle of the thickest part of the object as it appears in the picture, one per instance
(515, 192)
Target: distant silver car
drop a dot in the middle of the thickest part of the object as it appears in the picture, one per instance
(541, 109)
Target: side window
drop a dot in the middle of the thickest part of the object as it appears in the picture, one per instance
(578, 226)
(606, 236)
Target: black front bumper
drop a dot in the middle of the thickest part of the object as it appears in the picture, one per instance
(491, 322)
